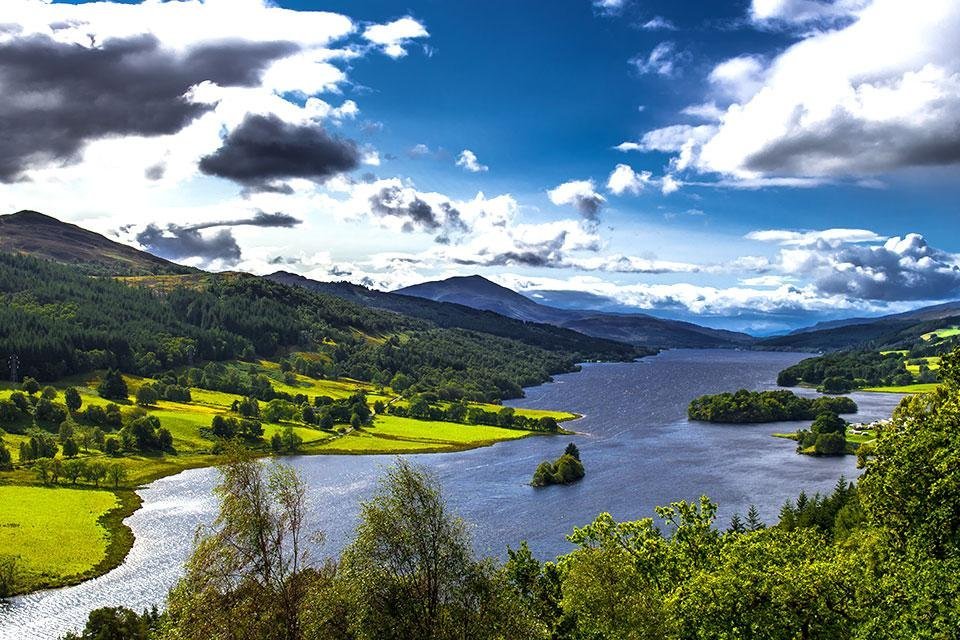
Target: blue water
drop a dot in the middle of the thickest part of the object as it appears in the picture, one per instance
(638, 448)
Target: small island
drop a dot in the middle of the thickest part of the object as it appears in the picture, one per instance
(566, 469)
(827, 436)
(751, 407)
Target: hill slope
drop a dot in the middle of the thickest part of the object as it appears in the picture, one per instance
(883, 331)
(59, 321)
(638, 329)
(36, 234)
(453, 315)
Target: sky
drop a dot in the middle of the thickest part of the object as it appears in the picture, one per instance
(757, 165)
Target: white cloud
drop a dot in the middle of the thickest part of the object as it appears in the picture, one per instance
(739, 78)
(695, 299)
(468, 160)
(623, 179)
(581, 195)
(669, 184)
(393, 37)
(832, 237)
(178, 25)
(802, 12)
(659, 23)
(663, 60)
(708, 111)
(880, 92)
(609, 7)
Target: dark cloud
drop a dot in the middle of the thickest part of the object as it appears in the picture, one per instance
(260, 219)
(339, 272)
(902, 269)
(156, 172)
(178, 243)
(589, 205)
(545, 254)
(852, 146)
(418, 214)
(264, 150)
(236, 63)
(56, 97)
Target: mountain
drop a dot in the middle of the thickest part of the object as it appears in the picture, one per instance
(880, 331)
(42, 236)
(452, 315)
(924, 314)
(633, 328)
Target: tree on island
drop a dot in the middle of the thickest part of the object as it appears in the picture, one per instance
(566, 469)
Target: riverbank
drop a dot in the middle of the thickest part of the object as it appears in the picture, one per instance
(188, 423)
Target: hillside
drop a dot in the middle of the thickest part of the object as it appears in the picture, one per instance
(638, 329)
(36, 234)
(60, 321)
(882, 332)
(453, 315)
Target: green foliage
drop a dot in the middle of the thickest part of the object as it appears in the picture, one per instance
(764, 406)
(835, 384)
(147, 396)
(249, 570)
(113, 386)
(8, 575)
(911, 483)
(6, 459)
(410, 571)
(830, 444)
(566, 469)
(118, 623)
(29, 385)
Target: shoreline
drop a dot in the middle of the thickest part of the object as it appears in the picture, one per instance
(120, 537)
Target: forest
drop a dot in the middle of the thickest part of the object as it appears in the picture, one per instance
(894, 363)
(744, 407)
(877, 559)
(56, 322)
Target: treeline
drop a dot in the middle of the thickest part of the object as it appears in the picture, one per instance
(424, 406)
(58, 321)
(881, 365)
(746, 406)
(879, 560)
(854, 369)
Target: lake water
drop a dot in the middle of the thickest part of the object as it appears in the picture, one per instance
(638, 448)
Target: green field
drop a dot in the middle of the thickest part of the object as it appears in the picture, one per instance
(947, 332)
(909, 388)
(932, 362)
(55, 533)
(447, 432)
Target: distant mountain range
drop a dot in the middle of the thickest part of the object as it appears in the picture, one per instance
(637, 328)
(473, 302)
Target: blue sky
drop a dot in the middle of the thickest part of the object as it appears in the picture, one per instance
(784, 163)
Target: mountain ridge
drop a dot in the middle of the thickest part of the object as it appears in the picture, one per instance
(37, 234)
(639, 328)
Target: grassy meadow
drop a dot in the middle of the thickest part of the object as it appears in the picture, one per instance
(36, 521)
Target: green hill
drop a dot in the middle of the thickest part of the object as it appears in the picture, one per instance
(36, 234)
